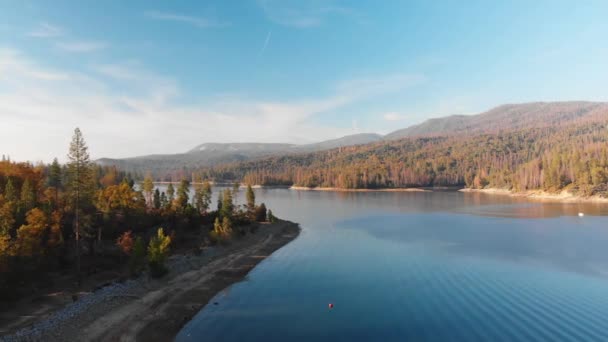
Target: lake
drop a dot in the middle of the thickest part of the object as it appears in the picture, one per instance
(434, 266)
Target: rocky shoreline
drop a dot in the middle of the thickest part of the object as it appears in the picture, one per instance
(145, 309)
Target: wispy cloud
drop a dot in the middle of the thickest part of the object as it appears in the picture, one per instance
(266, 41)
(49, 102)
(303, 14)
(199, 22)
(45, 30)
(81, 46)
(393, 116)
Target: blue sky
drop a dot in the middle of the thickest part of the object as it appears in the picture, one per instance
(142, 77)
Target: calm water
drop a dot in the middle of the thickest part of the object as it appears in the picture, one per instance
(421, 267)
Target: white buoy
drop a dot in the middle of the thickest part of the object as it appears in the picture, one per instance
(581, 214)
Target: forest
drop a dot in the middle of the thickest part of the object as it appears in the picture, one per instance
(553, 158)
(74, 220)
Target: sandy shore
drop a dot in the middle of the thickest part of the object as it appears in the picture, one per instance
(360, 190)
(538, 195)
(156, 309)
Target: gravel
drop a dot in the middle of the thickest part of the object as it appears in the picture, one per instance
(65, 321)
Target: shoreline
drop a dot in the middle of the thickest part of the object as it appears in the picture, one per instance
(157, 309)
(539, 195)
(304, 188)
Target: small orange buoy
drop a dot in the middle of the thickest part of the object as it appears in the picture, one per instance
(331, 306)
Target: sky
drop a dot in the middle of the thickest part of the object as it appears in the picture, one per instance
(149, 77)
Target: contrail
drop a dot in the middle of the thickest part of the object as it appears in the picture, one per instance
(265, 43)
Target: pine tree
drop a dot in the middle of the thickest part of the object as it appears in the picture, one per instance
(157, 202)
(9, 191)
(55, 179)
(235, 192)
(164, 202)
(202, 196)
(220, 200)
(250, 202)
(80, 184)
(170, 194)
(182, 194)
(28, 195)
(227, 205)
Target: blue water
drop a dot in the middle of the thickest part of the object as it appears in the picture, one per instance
(421, 267)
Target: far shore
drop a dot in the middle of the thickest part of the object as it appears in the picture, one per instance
(539, 195)
(360, 190)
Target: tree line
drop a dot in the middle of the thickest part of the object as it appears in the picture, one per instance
(573, 157)
(79, 217)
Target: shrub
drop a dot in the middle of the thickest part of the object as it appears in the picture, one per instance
(260, 213)
(125, 242)
(158, 250)
(138, 256)
(271, 217)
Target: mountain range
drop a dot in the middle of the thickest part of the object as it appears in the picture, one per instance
(505, 118)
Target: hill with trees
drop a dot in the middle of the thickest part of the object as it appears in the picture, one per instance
(518, 147)
(177, 166)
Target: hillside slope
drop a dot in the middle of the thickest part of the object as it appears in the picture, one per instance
(506, 118)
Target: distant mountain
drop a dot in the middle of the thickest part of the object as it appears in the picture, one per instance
(505, 118)
(243, 148)
(210, 154)
(349, 140)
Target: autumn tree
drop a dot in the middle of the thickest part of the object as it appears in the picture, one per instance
(29, 235)
(148, 188)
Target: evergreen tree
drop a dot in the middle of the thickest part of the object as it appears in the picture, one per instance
(157, 201)
(227, 205)
(55, 174)
(28, 195)
(260, 213)
(202, 197)
(80, 184)
(182, 194)
(170, 194)
(9, 191)
(55, 179)
(235, 192)
(220, 200)
(250, 202)
(164, 202)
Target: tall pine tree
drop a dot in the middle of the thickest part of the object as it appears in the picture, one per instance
(80, 186)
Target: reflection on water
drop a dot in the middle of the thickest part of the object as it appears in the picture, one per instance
(422, 267)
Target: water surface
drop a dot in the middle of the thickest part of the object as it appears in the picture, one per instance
(422, 267)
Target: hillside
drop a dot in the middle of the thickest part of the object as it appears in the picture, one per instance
(506, 118)
(167, 166)
(538, 146)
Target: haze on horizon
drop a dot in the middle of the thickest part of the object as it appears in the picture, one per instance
(148, 77)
